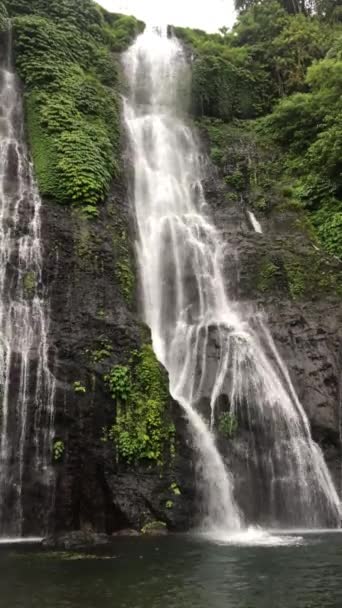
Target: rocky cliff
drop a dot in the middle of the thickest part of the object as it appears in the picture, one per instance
(122, 454)
(283, 275)
(95, 325)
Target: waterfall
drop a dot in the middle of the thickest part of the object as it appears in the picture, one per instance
(255, 223)
(26, 385)
(212, 345)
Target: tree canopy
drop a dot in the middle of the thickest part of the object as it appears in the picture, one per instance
(281, 67)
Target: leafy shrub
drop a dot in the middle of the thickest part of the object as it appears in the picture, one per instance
(3, 17)
(64, 56)
(142, 429)
(228, 424)
(58, 450)
(79, 387)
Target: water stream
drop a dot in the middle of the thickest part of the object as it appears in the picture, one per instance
(255, 223)
(192, 316)
(26, 385)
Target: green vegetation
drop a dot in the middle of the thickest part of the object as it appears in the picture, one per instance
(228, 424)
(250, 162)
(3, 17)
(79, 387)
(309, 128)
(298, 274)
(143, 429)
(30, 284)
(175, 489)
(124, 264)
(102, 351)
(58, 450)
(268, 275)
(274, 84)
(154, 527)
(65, 54)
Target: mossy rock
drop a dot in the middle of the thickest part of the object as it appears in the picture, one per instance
(154, 528)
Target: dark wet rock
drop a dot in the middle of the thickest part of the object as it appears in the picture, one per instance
(81, 539)
(95, 325)
(301, 306)
(88, 306)
(126, 532)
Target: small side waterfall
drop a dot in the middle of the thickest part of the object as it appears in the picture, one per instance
(255, 223)
(209, 343)
(26, 385)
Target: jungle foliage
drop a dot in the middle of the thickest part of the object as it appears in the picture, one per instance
(143, 429)
(3, 17)
(66, 55)
(278, 73)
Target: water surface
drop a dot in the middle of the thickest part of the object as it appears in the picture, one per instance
(301, 571)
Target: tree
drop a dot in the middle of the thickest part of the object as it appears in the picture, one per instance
(326, 8)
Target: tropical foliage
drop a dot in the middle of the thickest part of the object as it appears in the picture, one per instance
(3, 17)
(278, 73)
(65, 54)
(143, 430)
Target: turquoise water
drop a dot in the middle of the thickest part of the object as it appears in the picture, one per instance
(178, 572)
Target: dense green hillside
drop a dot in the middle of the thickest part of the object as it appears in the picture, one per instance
(276, 81)
(66, 55)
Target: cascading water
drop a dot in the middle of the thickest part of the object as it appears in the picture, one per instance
(26, 384)
(255, 223)
(210, 344)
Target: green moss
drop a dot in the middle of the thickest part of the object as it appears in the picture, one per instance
(87, 242)
(249, 164)
(126, 278)
(267, 275)
(43, 151)
(299, 275)
(30, 284)
(3, 18)
(124, 268)
(102, 351)
(153, 526)
(296, 277)
(143, 429)
(227, 424)
(236, 180)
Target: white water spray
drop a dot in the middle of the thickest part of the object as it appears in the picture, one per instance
(255, 223)
(26, 384)
(208, 343)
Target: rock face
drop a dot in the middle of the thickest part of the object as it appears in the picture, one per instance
(91, 277)
(296, 286)
(95, 325)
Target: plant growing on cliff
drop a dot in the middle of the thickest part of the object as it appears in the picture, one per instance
(228, 424)
(64, 55)
(79, 387)
(103, 351)
(29, 284)
(142, 429)
(58, 450)
(3, 18)
(153, 527)
(175, 489)
(286, 63)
